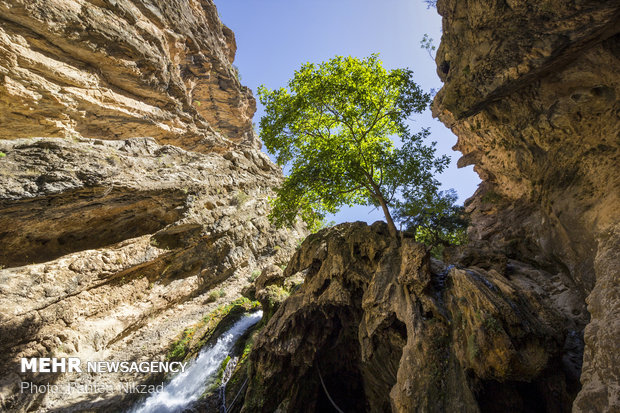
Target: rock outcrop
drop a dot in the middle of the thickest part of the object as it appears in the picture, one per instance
(379, 326)
(121, 69)
(133, 196)
(532, 91)
(527, 319)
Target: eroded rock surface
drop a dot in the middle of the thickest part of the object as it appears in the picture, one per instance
(121, 69)
(127, 237)
(133, 196)
(388, 329)
(532, 91)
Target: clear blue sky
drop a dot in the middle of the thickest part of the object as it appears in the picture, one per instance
(275, 37)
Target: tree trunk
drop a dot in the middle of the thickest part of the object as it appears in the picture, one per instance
(388, 218)
(376, 191)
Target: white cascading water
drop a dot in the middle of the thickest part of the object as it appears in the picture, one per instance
(187, 387)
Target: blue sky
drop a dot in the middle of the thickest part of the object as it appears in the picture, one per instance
(275, 37)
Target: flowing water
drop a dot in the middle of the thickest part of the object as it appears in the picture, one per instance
(187, 387)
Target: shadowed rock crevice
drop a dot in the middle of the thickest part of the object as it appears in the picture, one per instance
(42, 229)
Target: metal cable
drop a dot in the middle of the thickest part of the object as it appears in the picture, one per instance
(226, 410)
(325, 388)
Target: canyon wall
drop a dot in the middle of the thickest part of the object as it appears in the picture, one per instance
(525, 317)
(133, 202)
(133, 194)
(533, 93)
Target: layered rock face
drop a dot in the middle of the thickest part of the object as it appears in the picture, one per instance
(131, 187)
(532, 91)
(121, 69)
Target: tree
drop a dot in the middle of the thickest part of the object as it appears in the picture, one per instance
(332, 127)
(434, 219)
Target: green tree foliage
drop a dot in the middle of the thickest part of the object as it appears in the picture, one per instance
(427, 44)
(332, 127)
(434, 218)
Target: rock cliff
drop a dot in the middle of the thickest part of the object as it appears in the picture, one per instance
(533, 93)
(525, 317)
(120, 69)
(133, 196)
(379, 326)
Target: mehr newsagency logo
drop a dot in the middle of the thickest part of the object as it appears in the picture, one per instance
(75, 365)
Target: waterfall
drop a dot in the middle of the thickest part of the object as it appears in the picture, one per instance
(187, 387)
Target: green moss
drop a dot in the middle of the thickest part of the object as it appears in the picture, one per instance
(472, 348)
(241, 198)
(492, 325)
(224, 310)
(2, 154)
(188, 343)
(254, 275)
(180, 347)
(215, 294)
(220, 371)
(491, 197)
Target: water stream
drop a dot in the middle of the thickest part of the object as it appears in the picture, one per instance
(187, 387)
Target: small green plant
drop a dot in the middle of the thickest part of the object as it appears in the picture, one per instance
(491, 324)
(241, 198)
(253, 276)
(212, 297)
(237, 73)
(2, 154)
(180, 348)
(221, 370)
(215, 295)
(246, 350)
(472, 347)
(427, 44)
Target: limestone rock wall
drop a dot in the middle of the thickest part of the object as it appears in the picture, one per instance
(133, 196)
(385, 328)
(120, 69)
(533, 93)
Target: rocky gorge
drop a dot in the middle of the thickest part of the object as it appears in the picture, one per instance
(134, 201)
(133, 192)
